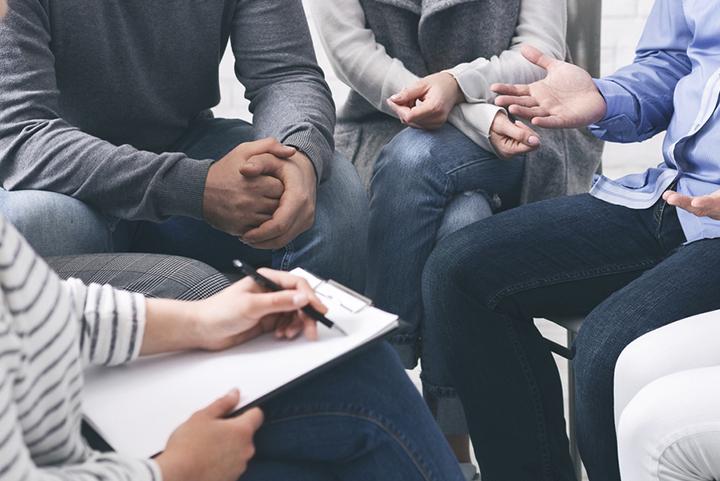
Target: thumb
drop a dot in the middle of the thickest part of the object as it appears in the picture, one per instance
(262, 305)
(253, 418)
(537, 57)
(223, 406)
(410, 94)
(252, 169)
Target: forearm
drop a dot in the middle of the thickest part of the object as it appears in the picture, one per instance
(170, 326)
(640, 96)
(39, 150)
(275, 61)
(119, 181)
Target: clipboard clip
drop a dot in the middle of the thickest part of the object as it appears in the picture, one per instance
(342, 296)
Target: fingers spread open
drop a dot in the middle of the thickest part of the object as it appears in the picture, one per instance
(511, 90)
(527, 113)
(508, 100)
(537, 57)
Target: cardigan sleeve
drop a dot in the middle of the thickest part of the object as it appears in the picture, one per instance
(543, 24)
(356, 57)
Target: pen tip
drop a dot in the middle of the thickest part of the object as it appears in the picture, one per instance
(340, 329)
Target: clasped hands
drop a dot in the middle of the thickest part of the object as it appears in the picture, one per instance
(427, 105)
(262, 192)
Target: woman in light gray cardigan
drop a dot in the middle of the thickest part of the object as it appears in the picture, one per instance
(429, 64)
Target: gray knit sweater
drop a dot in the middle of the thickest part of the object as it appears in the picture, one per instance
(94, 93)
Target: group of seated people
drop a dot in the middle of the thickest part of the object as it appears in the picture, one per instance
(452, 189)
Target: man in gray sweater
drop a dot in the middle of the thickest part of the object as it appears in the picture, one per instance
(107, 141)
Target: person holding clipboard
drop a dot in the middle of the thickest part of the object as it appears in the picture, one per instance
(362, 419)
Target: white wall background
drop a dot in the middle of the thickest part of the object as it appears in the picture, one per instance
(622, 25)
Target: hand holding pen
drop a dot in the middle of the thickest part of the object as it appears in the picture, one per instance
(268, 284)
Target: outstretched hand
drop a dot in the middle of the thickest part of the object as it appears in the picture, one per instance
(702, 206)
(566, 98)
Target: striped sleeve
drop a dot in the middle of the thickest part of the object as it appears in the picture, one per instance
(16, 463)
(112, 323)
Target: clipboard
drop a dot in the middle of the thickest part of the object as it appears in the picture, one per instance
(135, 408)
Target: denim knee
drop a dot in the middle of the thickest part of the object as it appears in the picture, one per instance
(336, 245)
(407, 158)
(56, 224)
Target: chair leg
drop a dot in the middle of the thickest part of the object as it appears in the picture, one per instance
(574, 452)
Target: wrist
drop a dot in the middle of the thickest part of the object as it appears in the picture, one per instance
(172, 468)
(458, 94)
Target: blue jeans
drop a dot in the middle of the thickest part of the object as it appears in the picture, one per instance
(335, 247)
(425, 186)
(360, 421)
(629, 269)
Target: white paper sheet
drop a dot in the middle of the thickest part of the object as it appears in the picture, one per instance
(136, 407)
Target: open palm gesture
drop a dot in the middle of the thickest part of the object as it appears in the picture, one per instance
(566, 98)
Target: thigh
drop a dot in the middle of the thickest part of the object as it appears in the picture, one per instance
(214, 138)
(358, 418)
(279, 470)
(559, 257)
(449, 160)
(55, 224)
(682, 285)
(683, 345)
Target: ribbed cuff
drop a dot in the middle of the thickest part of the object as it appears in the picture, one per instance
(313, 144)
(182, 188)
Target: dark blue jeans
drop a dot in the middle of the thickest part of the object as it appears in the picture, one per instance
(629, 269)
(363, 420)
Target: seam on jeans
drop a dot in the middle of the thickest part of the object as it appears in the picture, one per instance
(534, 395)
(286, 260)
(470, 163)
(495, 299)
(383, 424)
(438, 391)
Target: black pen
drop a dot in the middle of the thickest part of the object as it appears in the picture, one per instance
(272, 286)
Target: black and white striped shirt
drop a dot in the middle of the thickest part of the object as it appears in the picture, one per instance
(49, 331)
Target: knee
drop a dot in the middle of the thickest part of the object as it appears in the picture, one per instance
(594, 362)
(55, 224)
(342, 210)
(405, 157)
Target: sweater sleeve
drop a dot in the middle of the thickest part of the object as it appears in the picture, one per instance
(356, 57)
(275, 61)
(113, 323)
(40, 150)
(543, 24)
(16, 464)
